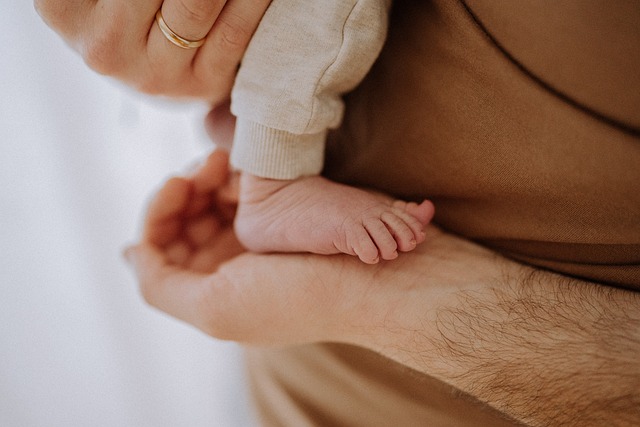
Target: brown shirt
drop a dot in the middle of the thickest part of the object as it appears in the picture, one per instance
(521, 121)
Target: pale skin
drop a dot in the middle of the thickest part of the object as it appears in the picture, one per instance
(120, 39)
(451, 309)
(543, 348)
(314, 214)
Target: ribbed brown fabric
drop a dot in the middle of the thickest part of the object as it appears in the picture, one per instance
(521, 167)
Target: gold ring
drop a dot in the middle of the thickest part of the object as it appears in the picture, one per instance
(173, 37)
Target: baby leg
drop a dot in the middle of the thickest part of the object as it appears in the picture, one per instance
(317, 215)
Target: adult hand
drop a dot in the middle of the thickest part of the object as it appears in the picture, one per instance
(491, 327)
(121, 39)
(190, 265)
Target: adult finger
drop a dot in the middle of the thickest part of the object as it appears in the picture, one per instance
(191, 19)
(213, 173)
(220, 125)
(109, 34)
(169, 288)
(162, 222)
(244, 300)
(66, 17)
(218, 59)
(209, 301)
(168, 63)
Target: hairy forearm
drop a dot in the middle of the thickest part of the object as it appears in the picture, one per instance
(543, 348)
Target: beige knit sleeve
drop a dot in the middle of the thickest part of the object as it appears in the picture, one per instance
(304, 55)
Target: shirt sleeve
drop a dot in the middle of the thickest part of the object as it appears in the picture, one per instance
(303, 57)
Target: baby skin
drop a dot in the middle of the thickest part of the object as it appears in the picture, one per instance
(314, 214)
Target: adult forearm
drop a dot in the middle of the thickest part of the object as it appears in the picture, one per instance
(543, 348)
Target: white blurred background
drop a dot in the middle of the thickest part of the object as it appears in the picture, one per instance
(79, 157)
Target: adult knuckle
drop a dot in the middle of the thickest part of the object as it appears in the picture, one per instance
(233, 33)
(151, 87)
(49, 11)
(196, 11)
(41, 8)
(58, 17)
(151, 83)
(101, 51)
(156, 78)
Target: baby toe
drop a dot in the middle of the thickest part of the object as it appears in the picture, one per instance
(382, 238)
(403, 234)
(363, 246)
(422, 212)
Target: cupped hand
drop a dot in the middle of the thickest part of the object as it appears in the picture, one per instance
(121, 39)
(190, 265)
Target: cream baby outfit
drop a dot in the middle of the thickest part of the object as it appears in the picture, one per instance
(304, 55)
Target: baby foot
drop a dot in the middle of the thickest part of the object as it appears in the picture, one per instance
(317, 215)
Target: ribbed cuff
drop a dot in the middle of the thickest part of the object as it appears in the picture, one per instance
(276, 154)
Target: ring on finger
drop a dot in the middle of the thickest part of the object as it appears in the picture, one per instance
(175, 38)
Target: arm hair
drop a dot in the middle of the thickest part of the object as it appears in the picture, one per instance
(546, 349)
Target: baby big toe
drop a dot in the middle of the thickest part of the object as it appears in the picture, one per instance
(422, 212)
